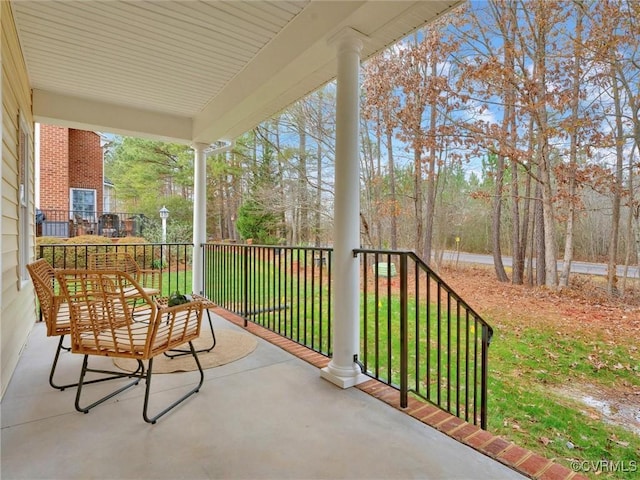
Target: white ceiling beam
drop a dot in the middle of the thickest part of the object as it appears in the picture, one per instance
(84, 114)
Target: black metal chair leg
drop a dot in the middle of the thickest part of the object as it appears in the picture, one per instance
(138, 374)
(153, 420)
(53, 368)
(112, 375)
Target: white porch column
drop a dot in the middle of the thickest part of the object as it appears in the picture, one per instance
(342, 370)
(199, 214)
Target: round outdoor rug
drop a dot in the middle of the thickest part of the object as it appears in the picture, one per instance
(230, 346)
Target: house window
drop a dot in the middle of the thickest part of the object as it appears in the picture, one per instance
(109, 199)
(83, 204)
(24, 193)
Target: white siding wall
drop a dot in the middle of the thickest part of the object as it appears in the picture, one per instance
(17, 303)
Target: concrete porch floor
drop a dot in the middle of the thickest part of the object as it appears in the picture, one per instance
(268, 415)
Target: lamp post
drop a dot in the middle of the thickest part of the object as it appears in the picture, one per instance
(164, 214)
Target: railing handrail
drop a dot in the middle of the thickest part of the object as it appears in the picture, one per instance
(95, 213)
(52, 222)
(111, 244)
(425, 267)
(271, 247)
(453, 353)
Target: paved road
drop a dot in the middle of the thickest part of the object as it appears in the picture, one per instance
(576, 267)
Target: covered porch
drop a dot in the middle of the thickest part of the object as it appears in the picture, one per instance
(264, 416)
(202, 73)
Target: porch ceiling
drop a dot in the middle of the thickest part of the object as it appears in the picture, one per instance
(192, 71)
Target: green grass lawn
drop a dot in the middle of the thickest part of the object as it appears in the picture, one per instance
(180, 281)
(532, 371)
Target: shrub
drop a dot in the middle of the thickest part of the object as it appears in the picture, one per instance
(257, 223)
(52, 255)
(140, 249)
(83, 246)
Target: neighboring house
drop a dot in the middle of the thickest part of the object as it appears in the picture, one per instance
(73, 196)
(71, 180)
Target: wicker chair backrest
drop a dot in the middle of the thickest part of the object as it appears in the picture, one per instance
(52, 305)
(103, 320)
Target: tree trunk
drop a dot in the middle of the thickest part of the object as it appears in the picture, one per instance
(612, 277)
(517, 253)
(319, 153)
(392, 190)
(431, 176)
(527, 230)
(629, 230)
(541, 270)
(222, 209)
(528, 222)
(417, 201)
(303, 205)
(378, 189)
(573, 152)
(510, 133)
(544, 157)
(496, 221)
(368, 171)
(551, 266)
(569, 227)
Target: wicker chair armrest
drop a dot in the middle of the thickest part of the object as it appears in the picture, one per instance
(174, 326)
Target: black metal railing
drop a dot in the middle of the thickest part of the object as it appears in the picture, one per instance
(421, 337)
(284, 289)
(172, 259)
(72, 223)
(417, 334)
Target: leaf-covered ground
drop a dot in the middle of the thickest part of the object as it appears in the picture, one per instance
(583, 308)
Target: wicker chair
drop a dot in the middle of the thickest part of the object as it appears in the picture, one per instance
(102, 324)
(149, 279)
(54, 309)
(55, 313)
